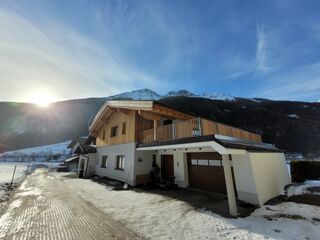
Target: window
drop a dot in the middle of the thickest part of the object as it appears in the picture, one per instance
(123, 128)
(104, 161)
(114, 131)
(205, 162)
(120, 162)
(104, 134)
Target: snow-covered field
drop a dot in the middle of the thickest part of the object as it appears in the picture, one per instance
(6, 172)
(159, 217)
(41, 153)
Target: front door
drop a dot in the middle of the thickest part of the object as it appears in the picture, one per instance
(167, 170)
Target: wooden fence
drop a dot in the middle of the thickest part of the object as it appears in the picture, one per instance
(194, 128)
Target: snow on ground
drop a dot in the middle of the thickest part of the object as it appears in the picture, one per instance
(6, 172)
(293, 116)
(159, 217)
(304, 188)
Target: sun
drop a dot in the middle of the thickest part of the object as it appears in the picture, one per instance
(42, 98)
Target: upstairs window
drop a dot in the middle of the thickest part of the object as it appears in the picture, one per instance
(114, 131)
(104, 161)
(120, 162)
(104, 134)
(124, 128)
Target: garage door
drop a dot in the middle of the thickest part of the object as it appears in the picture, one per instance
(206, 171)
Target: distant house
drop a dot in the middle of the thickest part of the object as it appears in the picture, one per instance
(80, 149)
(71, 163)
(131, 136)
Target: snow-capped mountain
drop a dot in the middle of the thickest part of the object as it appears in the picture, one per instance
(141, 94)
(147, 94)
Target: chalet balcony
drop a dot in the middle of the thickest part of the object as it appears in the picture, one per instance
(193, 128)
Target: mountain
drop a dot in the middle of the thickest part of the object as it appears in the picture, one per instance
(292, 126)
(147, 94)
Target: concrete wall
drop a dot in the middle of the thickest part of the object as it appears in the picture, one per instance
(244, 179)
(270, 173)
(126, 175)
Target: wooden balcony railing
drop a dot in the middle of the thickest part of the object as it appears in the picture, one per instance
(194, 128)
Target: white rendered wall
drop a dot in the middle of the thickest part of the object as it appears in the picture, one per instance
(143, 167)
(270, 173)
(126, 175)
(244, 179)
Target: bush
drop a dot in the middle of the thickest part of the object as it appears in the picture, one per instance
(304, 170)
(297, 171)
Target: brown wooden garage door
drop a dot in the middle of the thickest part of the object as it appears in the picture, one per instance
(206, 171)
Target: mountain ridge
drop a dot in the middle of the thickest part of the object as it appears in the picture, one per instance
(292, 126)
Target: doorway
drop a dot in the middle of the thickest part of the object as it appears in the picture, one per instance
(167, 168)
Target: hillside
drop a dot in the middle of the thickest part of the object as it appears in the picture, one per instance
(292, 126)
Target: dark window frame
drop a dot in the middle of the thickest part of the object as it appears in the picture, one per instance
(104, 134)
(114, 131)
(120, 162)
(104, 161)
(124, 128)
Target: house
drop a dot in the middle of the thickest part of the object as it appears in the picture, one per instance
(83, 149)
(70, 164)
(198, 153)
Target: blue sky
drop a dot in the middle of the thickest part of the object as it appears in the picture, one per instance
(76, 49)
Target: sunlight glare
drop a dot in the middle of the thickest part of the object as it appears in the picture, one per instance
(41, 98)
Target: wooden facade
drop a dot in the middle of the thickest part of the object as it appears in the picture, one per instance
(118, 125)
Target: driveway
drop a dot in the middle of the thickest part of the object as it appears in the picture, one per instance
(44, 208)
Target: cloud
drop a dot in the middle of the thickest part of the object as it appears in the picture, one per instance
(61, 60)
(262, 48)
(302, 83)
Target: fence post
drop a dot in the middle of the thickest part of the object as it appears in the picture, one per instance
(14, 172)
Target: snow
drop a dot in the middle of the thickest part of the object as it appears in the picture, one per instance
(142, 94)
(147, 94)
(156, 216)
(255, 100)
(293, 116)
(299, 189)
(41, 153)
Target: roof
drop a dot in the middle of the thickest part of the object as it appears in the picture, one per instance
(74, 158)
(225, 142)
(142, 106)
(84, 149)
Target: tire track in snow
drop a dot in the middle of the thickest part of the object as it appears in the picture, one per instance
(59, 214)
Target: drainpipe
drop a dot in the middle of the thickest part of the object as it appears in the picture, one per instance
(173, 131)
(199, 126)
(155, 130)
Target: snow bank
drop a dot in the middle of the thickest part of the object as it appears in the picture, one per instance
(293, 116)
(159, 217)
(304, 188)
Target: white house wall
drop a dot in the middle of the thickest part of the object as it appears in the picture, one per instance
(270, 173)
(244, 179)
(126, 175)
(143, 166)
